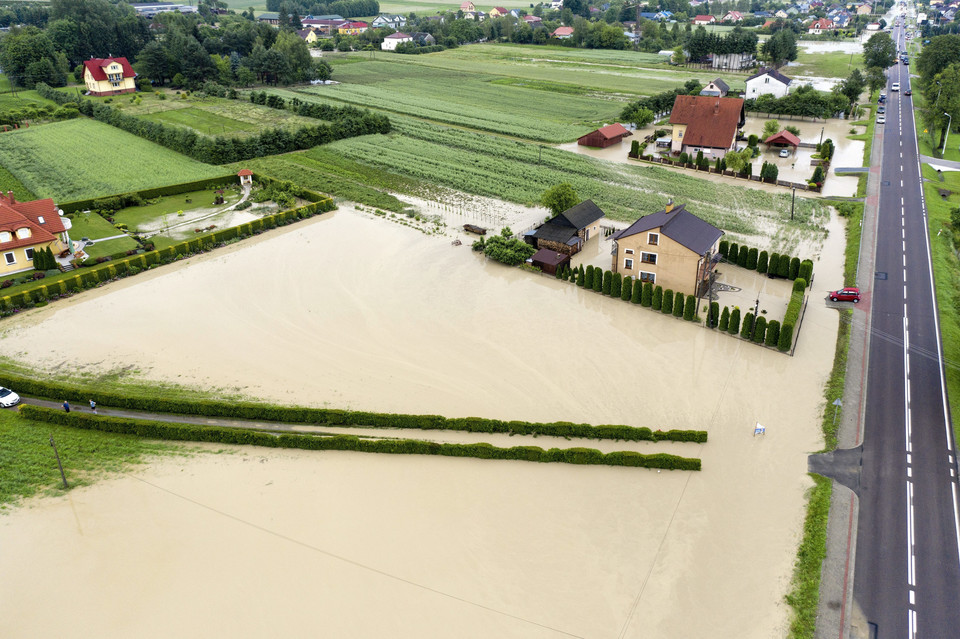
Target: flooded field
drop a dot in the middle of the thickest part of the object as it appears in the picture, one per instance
(348, 310)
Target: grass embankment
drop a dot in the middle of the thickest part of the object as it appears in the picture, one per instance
(928, 140)
(28, 466)
(804, 597)
(946, 272)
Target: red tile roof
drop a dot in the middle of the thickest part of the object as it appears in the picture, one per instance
(613, 130)
(704, 19)
(711, 122)
(243, 172)
(12, 220)
(822, 23)
(784, 137)
(96, 65)
(562, 31)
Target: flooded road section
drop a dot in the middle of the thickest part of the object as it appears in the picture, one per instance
(351, 311)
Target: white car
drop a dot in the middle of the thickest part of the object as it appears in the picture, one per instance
(895, 87)
(881, 119)
(784, 153)
(8, 398)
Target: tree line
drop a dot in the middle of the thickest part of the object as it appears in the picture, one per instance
(344, 8)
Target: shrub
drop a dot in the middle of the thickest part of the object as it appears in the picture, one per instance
(762, 261)
(742, 256)
(597, 279)
(616, 284)
(607, 284)
(588, 277)
(627, 290)
(760, 330)
(657, 298)
(773, 333)
(724, 319)
(783, 266)
(794, 268)
(774, 264)
(581, 278)
(724, 248)
(806, 270)
(713, 317)
(646, 296)
(668, 299)
(690, 309)
(734, 253)
(747, 329)
(734, 326)
(786, 338)
(752, 259)
(678, 304)
(799, 285)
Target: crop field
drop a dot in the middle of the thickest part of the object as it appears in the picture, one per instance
(469, 100)
(199, 120)
(611, 74)
(83, 158)
(825, 64)
(10, 183)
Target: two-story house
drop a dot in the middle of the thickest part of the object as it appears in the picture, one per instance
(27, 227)
(109, 76)
(705, 123)
(767, 82)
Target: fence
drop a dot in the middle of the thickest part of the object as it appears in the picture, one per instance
(781, 116)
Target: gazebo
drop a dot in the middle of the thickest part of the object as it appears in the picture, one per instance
(784, 138)
(246, 177)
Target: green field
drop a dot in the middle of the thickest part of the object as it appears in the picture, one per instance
(82, 158)
(830, 64)
(470, 100)
(10, 183)
(135, 216)
(92, 226)
(199, 120)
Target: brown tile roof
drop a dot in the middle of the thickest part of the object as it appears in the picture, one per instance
(37, 209)
(614, 130)
(711, 122)
(784, 137)
(12, 221)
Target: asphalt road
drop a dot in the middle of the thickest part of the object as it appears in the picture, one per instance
(907, 578)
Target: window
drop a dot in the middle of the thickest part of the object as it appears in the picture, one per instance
(29, 253)
(628, 251)
(648, 277)
(653, 238)
(627, 263)
(23, 233)
(766, 80)
(5, 236)
(40, 219)
(680, 134)
(10, 259)
(648, 258)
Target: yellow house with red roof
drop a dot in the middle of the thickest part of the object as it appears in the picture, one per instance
(27, 227)
(109, 76)
(498, 12)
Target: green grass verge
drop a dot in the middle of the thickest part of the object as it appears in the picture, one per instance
(946, 271)
(110, 247)
(836, 382)
(805, 593)
(92, 226)
(28, 467)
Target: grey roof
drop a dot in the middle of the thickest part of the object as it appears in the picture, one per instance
(773, 73)
(581, 215)
(554, 231)
(720, 84)
(680, 225)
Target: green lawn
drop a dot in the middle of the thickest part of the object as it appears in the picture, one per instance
(102, 249)
(92, 226)
(946, 270)
(28, 466)
(134, 216)
(199, 120)
(830, 64)
(21, 98)
(83, 158)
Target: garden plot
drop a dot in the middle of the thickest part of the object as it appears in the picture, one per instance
(82, 158)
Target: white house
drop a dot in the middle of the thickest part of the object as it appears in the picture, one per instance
(819, 26)
(394, 22)
(767, 82)
(391, 41)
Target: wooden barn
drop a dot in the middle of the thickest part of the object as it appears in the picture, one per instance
(549, 261)
(605, 136)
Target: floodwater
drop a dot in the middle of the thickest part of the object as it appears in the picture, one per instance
(797, 168)
(348, 310)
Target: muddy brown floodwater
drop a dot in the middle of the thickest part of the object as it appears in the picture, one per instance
(348, 310)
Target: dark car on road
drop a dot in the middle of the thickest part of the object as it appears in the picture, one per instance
(908, 92)
(849, 294)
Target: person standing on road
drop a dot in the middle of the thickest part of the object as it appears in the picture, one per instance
(93, 407)
(66, 406)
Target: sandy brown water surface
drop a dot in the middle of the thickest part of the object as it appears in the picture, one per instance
(350, 311)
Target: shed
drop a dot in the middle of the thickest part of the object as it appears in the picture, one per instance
(549, 261)
(784, 138)
(605, 136)
(246, 176)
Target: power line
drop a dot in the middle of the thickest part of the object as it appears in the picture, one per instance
(354, 563)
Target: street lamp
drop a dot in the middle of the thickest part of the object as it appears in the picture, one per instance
(947, 136)
(938, 93)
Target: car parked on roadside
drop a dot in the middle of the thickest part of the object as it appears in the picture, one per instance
(881, 119)
(881, 109)
(849, 294)
(8, 398)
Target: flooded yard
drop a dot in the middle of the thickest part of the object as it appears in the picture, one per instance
(348, 310)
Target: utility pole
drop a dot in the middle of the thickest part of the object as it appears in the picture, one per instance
(793, 201)
(57, 455)
(821, 134)
(947, 136)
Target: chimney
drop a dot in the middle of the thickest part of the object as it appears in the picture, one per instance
(669, 206)
(10, 197)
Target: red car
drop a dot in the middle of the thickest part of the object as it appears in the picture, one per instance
(850, 294)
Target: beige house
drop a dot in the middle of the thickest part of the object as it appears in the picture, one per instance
(109, 76)
(307, 35)
(673, 248)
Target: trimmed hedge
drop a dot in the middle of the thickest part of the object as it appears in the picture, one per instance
(333, 417)
(194, 432)
(127, 199)
(92, 276)
(775, 264)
